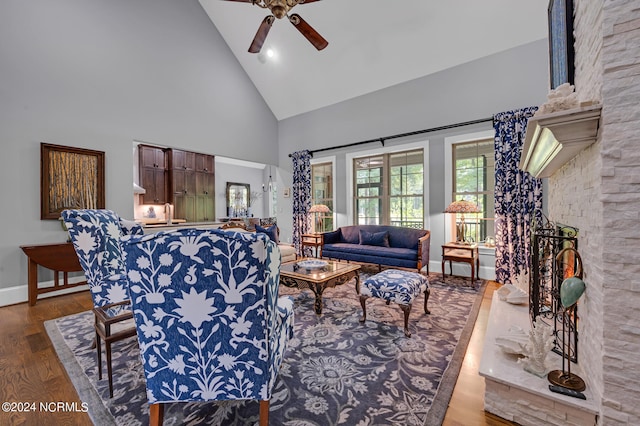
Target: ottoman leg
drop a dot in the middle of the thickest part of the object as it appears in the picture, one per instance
(407, 310)
(427, 292)
(363, 300)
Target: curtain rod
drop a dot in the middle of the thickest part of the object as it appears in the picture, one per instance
(401, 135)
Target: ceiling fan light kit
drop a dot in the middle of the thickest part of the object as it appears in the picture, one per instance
(280, 9)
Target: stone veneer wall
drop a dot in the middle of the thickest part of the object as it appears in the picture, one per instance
(599, 192)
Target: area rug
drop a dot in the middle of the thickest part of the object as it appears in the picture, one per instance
(337, 371)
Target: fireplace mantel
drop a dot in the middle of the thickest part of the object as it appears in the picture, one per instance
(555, 138)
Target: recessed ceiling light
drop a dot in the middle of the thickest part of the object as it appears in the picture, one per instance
(267, 54)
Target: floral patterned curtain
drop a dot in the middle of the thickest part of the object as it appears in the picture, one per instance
(518, 196)
(301, 194)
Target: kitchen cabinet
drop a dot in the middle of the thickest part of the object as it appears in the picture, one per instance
(153, 173)
(205, 187)
(192, 185)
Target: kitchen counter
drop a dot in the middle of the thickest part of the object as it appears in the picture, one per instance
(157, 227)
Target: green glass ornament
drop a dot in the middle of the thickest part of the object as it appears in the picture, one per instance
(570, 291)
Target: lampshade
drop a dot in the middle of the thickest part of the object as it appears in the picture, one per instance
(319, 208)
(462, 206)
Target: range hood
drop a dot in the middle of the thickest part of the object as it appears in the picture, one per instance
(555, 138)
(137, 189)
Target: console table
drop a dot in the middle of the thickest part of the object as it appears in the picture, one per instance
(59, 257)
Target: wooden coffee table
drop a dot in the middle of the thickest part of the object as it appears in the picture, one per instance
(318, 279)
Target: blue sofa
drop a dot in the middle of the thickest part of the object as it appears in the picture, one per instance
(379, 244)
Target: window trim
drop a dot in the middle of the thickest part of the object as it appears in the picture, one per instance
(349, 157)
(330, 159)
(449, 231)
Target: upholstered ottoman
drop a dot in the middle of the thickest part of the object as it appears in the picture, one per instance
(397, 286)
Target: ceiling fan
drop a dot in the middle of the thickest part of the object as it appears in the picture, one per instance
(280, 9)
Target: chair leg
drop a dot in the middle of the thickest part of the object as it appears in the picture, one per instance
(99, 353)
(264, 412)
(427, 292)
(156, 414)
(407, 310)
(109, 369)
(363, 300)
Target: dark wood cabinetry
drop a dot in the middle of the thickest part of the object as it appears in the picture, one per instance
(187, 181)
(153, 173)
(205, 187)
(183, 184)
(192, 185)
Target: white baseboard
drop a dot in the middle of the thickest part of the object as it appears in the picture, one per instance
(20, 293)
(463, 269)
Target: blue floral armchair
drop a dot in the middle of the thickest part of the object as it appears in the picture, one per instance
(209, 320)
(95, 235)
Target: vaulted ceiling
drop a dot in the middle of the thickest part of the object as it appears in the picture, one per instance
(373, 44)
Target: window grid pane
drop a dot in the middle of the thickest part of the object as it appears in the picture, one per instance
(389, 189)
(473, 180)
(322, 193)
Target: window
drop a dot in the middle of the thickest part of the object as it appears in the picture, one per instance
(389, 189)
(473, 180)
(322, 193)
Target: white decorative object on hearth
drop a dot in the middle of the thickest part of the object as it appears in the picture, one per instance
(521, 281)
(512, 294)
(514, 341)
(537, 349)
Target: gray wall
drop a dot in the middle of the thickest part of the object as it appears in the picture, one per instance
(512, 79)
(99, 74)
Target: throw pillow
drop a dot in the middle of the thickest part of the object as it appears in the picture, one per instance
(272, 232)
(374, 238)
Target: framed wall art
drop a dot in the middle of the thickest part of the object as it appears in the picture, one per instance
(561, 49)
(70, 178)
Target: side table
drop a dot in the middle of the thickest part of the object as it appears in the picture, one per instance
(59, 257)
(313, 240)
(467, 253)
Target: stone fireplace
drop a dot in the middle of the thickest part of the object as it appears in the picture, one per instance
(598, 192)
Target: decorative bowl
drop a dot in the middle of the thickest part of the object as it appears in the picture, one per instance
(312, 264)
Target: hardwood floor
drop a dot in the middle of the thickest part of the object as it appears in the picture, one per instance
(467, 402)
(31, 372)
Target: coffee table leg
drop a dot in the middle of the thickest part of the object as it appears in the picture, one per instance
(317, 290)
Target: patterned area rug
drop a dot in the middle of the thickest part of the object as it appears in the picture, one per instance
(336, 371)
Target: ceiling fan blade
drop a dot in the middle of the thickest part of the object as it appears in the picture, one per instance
(261, 35)
(306, 30)
(248, 1)
(307, 1)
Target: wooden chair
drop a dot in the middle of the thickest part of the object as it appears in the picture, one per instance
(95, 235)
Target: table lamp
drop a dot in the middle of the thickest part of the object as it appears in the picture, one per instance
(462, 207)
(318, 208)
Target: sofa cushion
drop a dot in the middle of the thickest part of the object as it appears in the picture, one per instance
(398, 237)
(272, 232)
(366, 250)
(287, 252)
(374, 238)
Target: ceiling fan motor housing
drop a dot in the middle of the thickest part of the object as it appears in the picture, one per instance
(279, 11)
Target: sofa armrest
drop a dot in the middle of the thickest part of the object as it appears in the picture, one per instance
(424, 245)
(331, 237)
